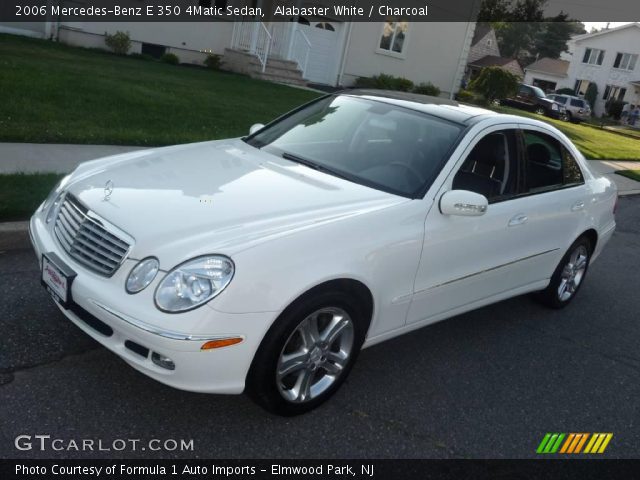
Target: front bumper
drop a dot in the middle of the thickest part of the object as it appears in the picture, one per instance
(134, 318)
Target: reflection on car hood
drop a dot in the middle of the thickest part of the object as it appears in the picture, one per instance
(219, 196)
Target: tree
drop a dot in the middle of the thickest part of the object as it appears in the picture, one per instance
(524, 33)
(495, 83)
(555, 32)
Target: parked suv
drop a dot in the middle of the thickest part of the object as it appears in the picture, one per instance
(578, 109)
(534, 99)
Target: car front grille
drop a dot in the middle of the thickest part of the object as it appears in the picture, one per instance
(89, 239)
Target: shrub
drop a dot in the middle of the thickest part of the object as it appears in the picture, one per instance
(170, 58)
(591, 94)
(385, 82)
(464, 96)
(119, 42)
(495, 83)
(614, 108)
(427, 89)
(213, 61)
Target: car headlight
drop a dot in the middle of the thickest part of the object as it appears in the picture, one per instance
(554, 106)
(194, 283)
(142, 275)
(51, 203)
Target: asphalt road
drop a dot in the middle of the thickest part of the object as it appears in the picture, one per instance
(489, 383)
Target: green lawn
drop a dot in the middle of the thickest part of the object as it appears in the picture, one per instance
(52, 93)
(20, 194)
(594, 143)
(632, 174)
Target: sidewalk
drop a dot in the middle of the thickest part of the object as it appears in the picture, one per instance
(626, 186)
(35, 157)
(54, 158)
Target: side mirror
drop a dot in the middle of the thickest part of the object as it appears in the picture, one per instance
(255, 127)
(463, 203)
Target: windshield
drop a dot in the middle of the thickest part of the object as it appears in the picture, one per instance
(539, 93)
(373, 143)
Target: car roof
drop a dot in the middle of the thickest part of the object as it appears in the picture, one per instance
(438, 107)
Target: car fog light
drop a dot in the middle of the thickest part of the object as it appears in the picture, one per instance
(162, 361)
(142, 275)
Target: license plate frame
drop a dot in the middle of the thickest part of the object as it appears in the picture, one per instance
(57, 277)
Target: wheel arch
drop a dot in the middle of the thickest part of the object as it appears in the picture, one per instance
(592, 235)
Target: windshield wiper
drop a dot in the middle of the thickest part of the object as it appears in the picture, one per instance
(313, 165)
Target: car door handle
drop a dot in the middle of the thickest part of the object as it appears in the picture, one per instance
(519, 219)
(577, 206)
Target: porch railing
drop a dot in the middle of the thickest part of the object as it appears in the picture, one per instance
(252, 37)
(282, 40)
(300, 49)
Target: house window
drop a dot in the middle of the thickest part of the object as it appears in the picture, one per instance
(611, 92)
(625, 61)
(580, 87)
(489, 42)
(593, 56)
(325, 26)
(394, 36)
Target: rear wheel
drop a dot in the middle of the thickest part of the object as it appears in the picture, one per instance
(568, 276)
(307, 354)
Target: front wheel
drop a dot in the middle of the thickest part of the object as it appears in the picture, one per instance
(307, 354)
(568, 276)
(539, 110)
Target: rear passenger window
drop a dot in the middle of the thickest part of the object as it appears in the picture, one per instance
(550, 165)
(491, 169)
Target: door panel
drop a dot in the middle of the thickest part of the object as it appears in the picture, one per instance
(466, 259)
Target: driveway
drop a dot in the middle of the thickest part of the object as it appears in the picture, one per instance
(489, 383)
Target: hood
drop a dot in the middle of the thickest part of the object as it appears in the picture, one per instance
(214, 197)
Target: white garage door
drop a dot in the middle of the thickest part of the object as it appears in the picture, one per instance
(322, 66)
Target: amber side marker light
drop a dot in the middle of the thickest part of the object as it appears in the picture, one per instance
(225, 342)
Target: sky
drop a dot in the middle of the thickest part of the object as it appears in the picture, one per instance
(599, 25)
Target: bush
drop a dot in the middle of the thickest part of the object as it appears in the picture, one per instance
(427, 89)
(170, 58)
(495, 83)
(591, 94)
(565, 91)
(213, 61)
(614, 108)
(385, 82)
(464, 96)
(119, 42)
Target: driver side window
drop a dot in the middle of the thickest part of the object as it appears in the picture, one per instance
(491, 169)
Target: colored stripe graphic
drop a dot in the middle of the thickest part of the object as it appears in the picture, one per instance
(572, 443)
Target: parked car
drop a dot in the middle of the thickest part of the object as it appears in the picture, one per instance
(265, 263)
(577, 109)
(534, 99)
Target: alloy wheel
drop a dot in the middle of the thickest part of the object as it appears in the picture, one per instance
(573, 273)
(315, 354)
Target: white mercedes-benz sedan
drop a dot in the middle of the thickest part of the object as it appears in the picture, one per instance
(264, 264)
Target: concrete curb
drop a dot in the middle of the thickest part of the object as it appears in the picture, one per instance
(14, 235)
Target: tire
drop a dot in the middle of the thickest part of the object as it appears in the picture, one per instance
(568, 276)
(322, 366)
(566, 117)
(539, 110)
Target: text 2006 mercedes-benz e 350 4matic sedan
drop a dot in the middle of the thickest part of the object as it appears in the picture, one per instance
(264, 264)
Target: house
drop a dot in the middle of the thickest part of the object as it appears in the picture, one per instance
(607, 58)
(546, 73)
(306, 49)
(485, 52)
